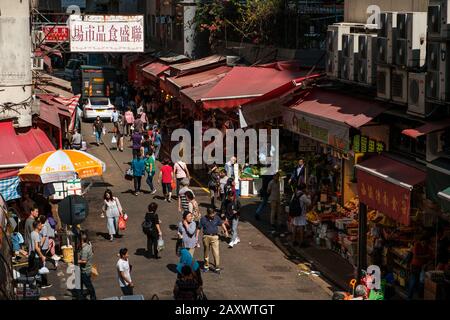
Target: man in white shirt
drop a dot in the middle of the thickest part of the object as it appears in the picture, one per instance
(115, 117)
(181, 172)
(183, 203)
(77, 140)
(273, 189)
(124, 273)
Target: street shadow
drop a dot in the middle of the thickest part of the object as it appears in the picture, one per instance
(172, 267)
(93, 144)
(173, 227)
(159, 198)
(101, 184)
(141, 252)
(204, 205)
(104, 235)
(128, 191)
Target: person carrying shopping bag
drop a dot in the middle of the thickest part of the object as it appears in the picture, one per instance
(113, 210)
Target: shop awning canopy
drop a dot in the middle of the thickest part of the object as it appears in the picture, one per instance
(154, 69)
(445, 194)
(269, 105)
(338, 107)
(438, 180)
(171, 58)
(189, 97)
(173, 85)
(243, 84)
(427, 128)
(18, 149)
(197, 65)
(386, 184)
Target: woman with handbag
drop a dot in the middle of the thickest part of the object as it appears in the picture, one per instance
(113, 210)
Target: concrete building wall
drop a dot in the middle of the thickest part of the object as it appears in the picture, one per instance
(15, 62)
(356, 10)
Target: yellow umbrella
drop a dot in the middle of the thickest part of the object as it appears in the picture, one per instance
(62, 165)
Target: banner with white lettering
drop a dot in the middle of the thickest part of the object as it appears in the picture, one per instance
(106, 33)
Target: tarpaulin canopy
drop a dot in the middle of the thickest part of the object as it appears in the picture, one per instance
(189, 97)
(438, 180)
(269, 105)
(385, 184)
(427, 128)
(243, 84)
(197, 65)
(173, 85)
(154, 69)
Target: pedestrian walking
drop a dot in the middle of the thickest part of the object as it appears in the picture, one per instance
(157, 142)
(98, 130)
(183, 203)
(298, 174)
(187, 286)
(222, 183)
(119, 138)
(129, 120)
(124, 272)
(152, 229)
(209, 225)
(213, 184)
(138, 167)
(144, 119)
(138, 124)
(229, 167)
(136, 140)
(188, 232)
(36, 255)
(34, 214)
(181, 172)
(264, 196)
(273, 189)
(77, 140)
(193, 206)
(150, 168)
(165, 178)
(85, 262)
(232, 208)
(47, 235)
(115, 119)
(146, 144)
(300, 203)
(113, 210)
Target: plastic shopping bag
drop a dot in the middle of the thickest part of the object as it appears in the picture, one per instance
(104, 131)
(113, 140)
(160, 244)
(122, 223)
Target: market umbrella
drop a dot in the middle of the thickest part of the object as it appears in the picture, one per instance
(62, 165)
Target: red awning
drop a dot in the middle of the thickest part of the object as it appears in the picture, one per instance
(427, 128)
(199, 64)
(189, 97)
(153, 70)
(385, 184)
(11, 153)
(243, 84)
(34, 142)
(173, 85)
(338, 107)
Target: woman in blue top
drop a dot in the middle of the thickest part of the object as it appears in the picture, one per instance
(138, 167)
(157, 142)
(187, 260)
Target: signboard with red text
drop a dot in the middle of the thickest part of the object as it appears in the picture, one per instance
(106, 33)
(56, 33)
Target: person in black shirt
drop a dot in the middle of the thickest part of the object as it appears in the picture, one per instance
(231, 211)
(151, 228)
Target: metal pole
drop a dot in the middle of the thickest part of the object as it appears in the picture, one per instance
(362, 240)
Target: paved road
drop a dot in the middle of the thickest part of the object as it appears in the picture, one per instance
(254, 269)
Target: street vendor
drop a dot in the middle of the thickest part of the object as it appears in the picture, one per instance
(298, 175)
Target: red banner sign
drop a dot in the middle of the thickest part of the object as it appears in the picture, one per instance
(56, 33)
(390, 199)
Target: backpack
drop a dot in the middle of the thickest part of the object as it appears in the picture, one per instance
(148, 226)
(295, 207)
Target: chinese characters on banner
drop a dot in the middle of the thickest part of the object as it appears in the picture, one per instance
(56, 33)
(390, 199)
(107, 34)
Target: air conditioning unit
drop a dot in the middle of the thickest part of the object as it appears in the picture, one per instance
(38, 37)
(384, 82)
(386, 37)
(334, 48)
(410, 43)
(399, 83)
(437, 84)
(439, 19)
(365, 67)
(37, 63)
(349, 50)
(416, 93)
